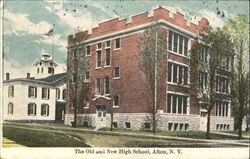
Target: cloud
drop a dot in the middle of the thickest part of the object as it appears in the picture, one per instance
(18, 23)
(212, 17)
(57, 41)
(17, 71)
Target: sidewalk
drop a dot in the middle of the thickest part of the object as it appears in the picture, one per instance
(229, 134)
(231, 142)
(10, 143)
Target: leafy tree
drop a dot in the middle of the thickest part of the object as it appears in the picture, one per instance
(217, 44)
(77, 69)
(152, 60)
(238, 28)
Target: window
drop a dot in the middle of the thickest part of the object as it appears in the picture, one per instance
(203, 80)
(44, 110)
(203, 54)
(99, 46)
(87, 78)
(31, 109)
(10, 108)
(57, 93)
(51, 70)
(108, 59)
(170, 125)
(98, 86)
(107, 87)
(117, 72)
(38, 70)
(11, 91)
(177, 43)
(224, 62)
(117, 43)
(88, 50)
(177, 73)
(99, 59)
(107, 43)
(115, 124)
(177, 104)
(116, 100)
(42, 70)
(86, 102)
(64, 94)
(32, 92)
(222, 108)
(147, 125)
(127, 124)
(222, 84)
(45, 93)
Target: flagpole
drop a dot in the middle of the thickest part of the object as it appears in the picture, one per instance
(53, 43)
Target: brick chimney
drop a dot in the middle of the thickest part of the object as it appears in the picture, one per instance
(28, 75)
(7, 76)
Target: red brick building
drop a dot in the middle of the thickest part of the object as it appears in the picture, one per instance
(116, 84)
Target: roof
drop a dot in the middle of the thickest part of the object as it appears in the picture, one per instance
(55, 79)
(52, 80)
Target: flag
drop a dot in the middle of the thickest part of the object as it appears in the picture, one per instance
(50, 33)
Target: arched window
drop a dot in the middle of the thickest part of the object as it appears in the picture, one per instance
(37, 69)
(57, 93)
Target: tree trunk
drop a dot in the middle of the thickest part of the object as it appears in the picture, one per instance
(75, 114)
(154, 123)
(240, 128)
(112, 119)
(208, 125)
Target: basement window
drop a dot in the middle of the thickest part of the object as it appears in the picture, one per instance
(115, 124)
(147, 125)
(127, 124)
(170, 125)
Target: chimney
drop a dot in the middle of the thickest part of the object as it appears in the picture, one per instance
(7, 76)
(28, 75)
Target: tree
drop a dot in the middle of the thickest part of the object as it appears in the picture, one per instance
(238, 28)
(216, 43)
(152, 60)
(77, 69)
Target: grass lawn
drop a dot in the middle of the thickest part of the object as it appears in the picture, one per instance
(42, 137)
(39, 138)
(187, 134)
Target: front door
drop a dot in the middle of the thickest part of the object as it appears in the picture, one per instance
(101, 116)
(203, 121)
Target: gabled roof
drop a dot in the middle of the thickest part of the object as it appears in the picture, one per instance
(52, 80)
(55, 79)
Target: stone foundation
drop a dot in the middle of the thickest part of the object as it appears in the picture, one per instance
(222, 123)
(138, 121)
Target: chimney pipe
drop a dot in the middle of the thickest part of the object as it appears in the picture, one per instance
(7, 76)
(28, 75)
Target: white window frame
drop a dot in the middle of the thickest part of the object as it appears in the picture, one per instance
(118, 101)
(10, 108)
(98, 67)
(34, 109)
(96, 86)
(119, 73)
(115, 43)
(172, 44)
(177, 104)
(46, 110)
(34, 91)
(11, 89)
(47, 93)
(109, 57)
(172, 74)
(89, 50)
(105, 85)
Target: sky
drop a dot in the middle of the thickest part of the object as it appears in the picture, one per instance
(26, 22)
